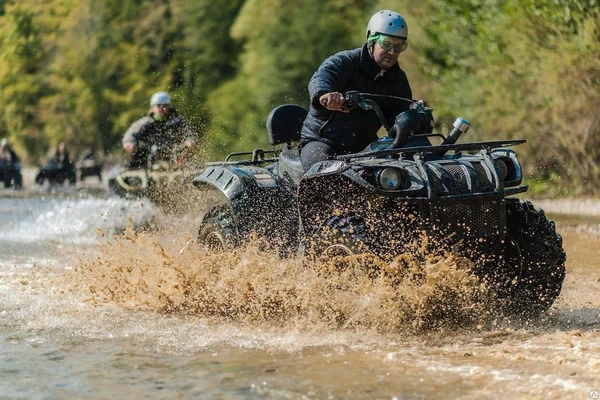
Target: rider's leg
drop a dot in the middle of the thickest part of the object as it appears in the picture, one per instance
(314, 152)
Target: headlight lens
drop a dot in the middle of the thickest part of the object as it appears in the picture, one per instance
(390, 179)
(501, 164)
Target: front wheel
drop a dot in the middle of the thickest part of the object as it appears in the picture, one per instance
(340, 235)
(116, 189)
(535, 251)
(72, 177)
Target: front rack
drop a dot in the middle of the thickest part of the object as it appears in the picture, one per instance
(473, 146)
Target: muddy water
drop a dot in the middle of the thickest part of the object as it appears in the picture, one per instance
(96, 302)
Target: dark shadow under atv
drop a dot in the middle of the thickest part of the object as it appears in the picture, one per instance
(385, 199)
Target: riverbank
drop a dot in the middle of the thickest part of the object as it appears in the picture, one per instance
(569, 206)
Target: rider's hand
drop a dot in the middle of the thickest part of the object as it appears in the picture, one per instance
(332, 101)
(129, 147)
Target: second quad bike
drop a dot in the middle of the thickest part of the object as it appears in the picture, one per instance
(70, 172)
(382, 199)
(165, 169)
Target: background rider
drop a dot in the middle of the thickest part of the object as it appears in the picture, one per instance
(162, 127)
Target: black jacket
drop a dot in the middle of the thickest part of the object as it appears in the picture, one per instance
(352, 70)
(8, 156)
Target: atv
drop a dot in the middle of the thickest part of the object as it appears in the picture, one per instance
(55, 175)
(10, 174)
(88, 165)
(165, 169)
(382, 199)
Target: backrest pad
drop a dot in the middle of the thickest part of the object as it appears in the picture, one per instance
(284, 123)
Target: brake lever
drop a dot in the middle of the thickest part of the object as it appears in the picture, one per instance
(352, 99)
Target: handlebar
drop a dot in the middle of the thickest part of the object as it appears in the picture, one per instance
(403, 128)
(354, 99)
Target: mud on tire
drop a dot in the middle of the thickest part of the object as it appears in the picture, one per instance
(340, 235)
(542, 268)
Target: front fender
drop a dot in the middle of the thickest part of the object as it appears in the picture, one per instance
(326, 170)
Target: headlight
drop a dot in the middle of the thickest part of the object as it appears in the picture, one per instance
(502, 167)
(508, 167)
(511, 174)
(390, 179)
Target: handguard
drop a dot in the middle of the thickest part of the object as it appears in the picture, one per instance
(417, 120)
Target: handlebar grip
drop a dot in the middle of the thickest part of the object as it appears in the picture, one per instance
(352, 99)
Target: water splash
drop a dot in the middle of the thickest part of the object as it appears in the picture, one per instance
(171, 273)
(69, 221)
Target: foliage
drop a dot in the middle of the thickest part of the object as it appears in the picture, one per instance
(523, 69)
(20, 75)
(278, 56)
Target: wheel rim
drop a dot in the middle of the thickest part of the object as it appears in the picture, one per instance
(215, 241)
(337, 250)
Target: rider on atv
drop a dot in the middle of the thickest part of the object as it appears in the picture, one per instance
(157, 134)
(60, 168)
(328, 130)
(10, 166)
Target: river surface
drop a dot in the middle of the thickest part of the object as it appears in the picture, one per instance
(106, 298)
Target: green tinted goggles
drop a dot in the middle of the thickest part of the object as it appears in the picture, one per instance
(386, 43)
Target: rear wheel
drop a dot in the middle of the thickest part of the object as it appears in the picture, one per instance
(217, 231)
(17, 180)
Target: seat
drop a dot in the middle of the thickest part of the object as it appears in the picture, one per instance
(284, 124)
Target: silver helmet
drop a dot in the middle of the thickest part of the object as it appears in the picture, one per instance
(389, 23)
(160, 98)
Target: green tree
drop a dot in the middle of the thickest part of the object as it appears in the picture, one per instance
(520, 69)
(21, 59)
(208, 56)
(283, 44)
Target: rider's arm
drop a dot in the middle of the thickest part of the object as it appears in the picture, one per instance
(191, 136)
(330, 78)
(134, 133)
(183, 131)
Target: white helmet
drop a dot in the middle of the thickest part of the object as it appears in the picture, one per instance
(3, 142)
(389, 23)
(160, 98)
